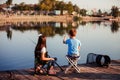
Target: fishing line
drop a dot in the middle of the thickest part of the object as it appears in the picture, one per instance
(48, 55)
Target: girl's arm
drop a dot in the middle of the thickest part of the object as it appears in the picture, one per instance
(45, 58)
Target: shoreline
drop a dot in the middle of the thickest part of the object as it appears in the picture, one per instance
(88, 72)
(56, 18)
(14, 19)
(41, 18)
(107, 18)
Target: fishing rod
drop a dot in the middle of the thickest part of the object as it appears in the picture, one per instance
(57, 63)
(49, 56)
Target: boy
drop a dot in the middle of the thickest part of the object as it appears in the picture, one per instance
(73, 47)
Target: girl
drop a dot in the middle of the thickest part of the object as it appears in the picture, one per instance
(41, 57)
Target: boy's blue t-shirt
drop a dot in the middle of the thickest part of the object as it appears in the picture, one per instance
(73, 46)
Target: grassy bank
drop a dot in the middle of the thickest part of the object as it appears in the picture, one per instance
(41, 18)
(55, 18)
(107, 18)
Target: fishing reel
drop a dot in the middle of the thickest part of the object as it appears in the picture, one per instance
(55, 58)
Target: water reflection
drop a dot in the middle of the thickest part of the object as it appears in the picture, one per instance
(47, 28)
(9, 33)
(115, 26)
(83, 23)
(52, 28)
(97, 22)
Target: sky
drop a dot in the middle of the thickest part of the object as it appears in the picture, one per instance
(104, 5)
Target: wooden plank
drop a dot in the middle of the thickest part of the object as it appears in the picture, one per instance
(87, 72)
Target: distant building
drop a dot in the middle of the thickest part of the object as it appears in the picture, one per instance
(5, 7)
(57, 12)
(2, 6)
(74, 13)
(65, 12)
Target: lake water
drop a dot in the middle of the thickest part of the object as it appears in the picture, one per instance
(18, 41)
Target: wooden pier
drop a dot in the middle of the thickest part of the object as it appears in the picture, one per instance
(88, 72)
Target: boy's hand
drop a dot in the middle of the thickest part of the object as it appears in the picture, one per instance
(64, 39)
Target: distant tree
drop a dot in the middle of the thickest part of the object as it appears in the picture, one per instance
(99, 12)
(115, 11)
(83, 12)
(22, 4)
(36, 7)
(9, 2)
(61, 6)
(40, 1)
(53, 3)
(47, 5)
(106, 13)
(76, 8)
(70, 7)
(27, 7)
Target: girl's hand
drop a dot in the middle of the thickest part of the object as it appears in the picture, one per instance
(52, 59)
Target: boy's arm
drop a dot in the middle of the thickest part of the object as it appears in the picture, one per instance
(64, 39)
(79, 48)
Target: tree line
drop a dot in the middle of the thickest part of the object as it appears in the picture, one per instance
(46, 5)
(50, 5)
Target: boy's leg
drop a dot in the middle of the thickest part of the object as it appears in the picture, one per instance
(69, 67)
(73, 61)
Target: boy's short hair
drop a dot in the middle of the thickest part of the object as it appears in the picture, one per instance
(72, 32)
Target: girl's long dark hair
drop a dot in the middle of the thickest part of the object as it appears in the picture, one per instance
(41, 43)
